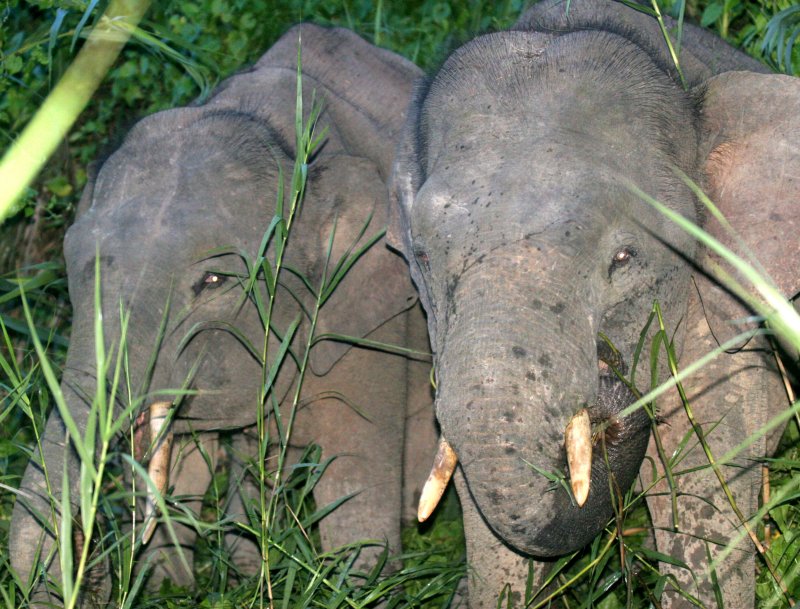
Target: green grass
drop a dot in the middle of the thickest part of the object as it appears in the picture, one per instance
(179, 52)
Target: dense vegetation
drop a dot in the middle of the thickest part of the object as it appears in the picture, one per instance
(180, 51)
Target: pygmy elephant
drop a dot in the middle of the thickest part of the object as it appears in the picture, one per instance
(172, 216)
(515, 203)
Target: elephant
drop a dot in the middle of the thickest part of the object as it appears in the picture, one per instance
(516, 203)
(169, 219)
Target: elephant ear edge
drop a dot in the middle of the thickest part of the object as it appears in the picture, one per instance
(404, 183)
(377, 287)
(406, 175)
(750, 147)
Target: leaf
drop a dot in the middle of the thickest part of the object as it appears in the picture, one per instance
(783, 26)
(655, 556)
(712, 12)
(84, 18)
(59, 186)
(54, 29)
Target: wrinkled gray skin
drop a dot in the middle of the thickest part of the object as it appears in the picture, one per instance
(193, 180)
(513, 208)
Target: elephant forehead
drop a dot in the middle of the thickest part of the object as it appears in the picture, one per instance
(593, 92)
(553, 146)
(173, 171)
(153, 225)
(533, 194)
(175, 209)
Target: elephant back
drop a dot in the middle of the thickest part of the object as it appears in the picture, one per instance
(701, 56)
(364, 90)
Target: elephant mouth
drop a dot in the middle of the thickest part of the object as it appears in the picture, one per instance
(597, 442)
(596, 428)
(608, 462)
(515, 470)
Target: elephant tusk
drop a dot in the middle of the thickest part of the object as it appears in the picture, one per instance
(158, 468)
(578, 442)
(444, 464)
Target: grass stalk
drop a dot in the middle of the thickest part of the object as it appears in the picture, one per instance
(66, 101)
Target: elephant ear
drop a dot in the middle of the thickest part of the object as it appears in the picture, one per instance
(406, 180)
(751, 143)
(92, 169)
(406, 176)
(350, 191)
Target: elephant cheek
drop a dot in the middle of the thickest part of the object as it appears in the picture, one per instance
(224, 377)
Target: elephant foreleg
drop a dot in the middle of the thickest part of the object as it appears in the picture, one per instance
(365, 437)
(730, 400)
(493, 568)
(243, 490)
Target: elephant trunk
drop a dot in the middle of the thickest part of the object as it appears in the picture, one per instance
(37, 514)
(513, 371)
(36, 519)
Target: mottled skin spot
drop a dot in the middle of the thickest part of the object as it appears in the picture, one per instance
(495, 497)
(518, 351)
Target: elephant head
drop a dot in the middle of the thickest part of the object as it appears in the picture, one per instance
(526, 250)
(170, 220)
(514, 208)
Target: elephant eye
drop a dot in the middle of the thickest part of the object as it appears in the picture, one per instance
(209, 281)
(621, 258)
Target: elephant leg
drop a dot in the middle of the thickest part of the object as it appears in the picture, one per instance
(493, 568)
(244, 552)
(421, 434)
(367, 445)
(731, 399)
(190, 477)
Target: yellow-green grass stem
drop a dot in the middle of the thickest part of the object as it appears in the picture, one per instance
(66, 101)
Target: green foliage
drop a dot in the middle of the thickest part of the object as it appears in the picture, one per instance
(782, 532)
(179, 52)
(767, 30)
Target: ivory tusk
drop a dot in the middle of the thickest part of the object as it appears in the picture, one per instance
(444, 464)
(578, 442)
(158, 468)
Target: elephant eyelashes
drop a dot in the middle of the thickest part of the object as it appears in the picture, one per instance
(210, 281)
(621, 258)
